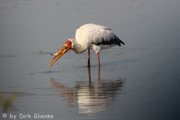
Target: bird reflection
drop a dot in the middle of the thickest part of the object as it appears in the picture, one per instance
(89, 72)
(90, 97)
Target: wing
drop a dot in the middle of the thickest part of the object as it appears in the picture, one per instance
(112, 40)
(98, 34)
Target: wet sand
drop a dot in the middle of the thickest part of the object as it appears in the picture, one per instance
(137, 81)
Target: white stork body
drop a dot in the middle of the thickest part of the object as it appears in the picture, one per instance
(90, 36)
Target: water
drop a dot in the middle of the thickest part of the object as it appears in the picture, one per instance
(137, 81)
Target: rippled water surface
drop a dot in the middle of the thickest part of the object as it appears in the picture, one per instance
(138, 81)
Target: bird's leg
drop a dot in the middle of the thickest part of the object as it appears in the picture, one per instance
(88, 64)
(98, 59)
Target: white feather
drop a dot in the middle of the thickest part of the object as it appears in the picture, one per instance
(88, 35)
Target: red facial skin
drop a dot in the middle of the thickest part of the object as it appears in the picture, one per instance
(68, 42)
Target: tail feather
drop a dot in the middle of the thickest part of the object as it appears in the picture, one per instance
(119, 41)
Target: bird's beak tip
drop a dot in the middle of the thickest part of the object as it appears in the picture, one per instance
(61, 52)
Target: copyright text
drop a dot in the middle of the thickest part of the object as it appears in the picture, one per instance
(27, 116)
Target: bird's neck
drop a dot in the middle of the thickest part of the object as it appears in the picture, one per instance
(78, 48)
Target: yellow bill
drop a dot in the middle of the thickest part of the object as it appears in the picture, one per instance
(61, 52)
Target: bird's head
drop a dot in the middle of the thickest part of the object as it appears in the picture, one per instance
(62, 51)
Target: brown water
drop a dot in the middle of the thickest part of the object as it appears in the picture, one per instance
(138, 81)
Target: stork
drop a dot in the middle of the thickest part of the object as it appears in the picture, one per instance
(89, 36)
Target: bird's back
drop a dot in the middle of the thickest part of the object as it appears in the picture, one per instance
(96, 34)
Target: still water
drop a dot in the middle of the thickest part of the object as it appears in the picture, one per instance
(138, 81)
